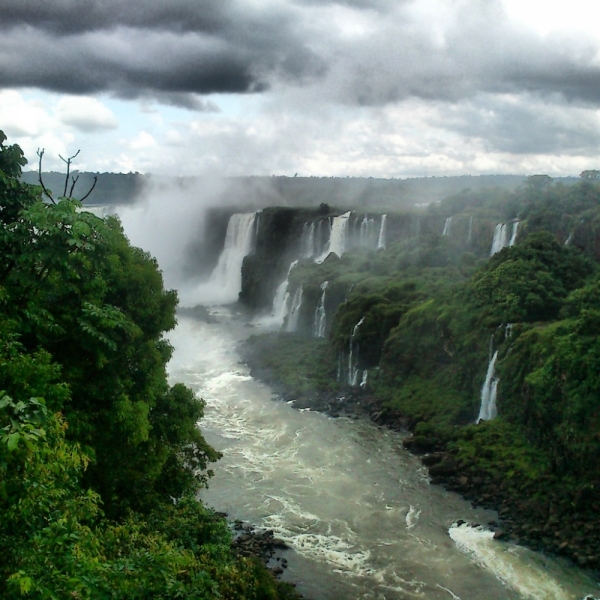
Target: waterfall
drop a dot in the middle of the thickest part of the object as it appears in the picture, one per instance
(447, 226)
(321, 239)
(353, 356)
(366, 236)
(488, 409)
(381, 240)
(337, 236)
(281, 302)
(225, 283)
(307, 242)
(500, 238)
(363, 382)
(513, 237)
(470, 235)
(294, 313)
(320, 316)
(569, 239)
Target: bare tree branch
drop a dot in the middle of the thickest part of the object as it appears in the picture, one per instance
(67, 161)
(74, 179)
(40, 153)
(91, 189)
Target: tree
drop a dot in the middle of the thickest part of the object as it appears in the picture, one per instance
(590, 175)
(75, 289)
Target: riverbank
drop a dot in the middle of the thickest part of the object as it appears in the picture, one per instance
(489, 464)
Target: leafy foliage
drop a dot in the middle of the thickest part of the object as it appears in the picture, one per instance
(100, 459)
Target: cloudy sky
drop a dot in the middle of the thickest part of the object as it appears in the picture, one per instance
(383, 88)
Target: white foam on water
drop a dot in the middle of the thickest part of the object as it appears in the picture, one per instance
(452, 594)
(412, 516)
(316, 539)
(513, 565)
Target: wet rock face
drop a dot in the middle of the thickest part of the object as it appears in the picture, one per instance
(277, 243)
(203, 256)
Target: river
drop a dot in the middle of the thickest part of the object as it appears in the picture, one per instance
(357, 509)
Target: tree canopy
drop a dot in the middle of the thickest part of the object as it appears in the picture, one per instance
(100, 459)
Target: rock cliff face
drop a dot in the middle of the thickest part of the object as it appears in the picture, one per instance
(284, 235)
(278, 237)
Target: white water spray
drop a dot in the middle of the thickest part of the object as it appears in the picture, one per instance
(225, 282)
(281, 302)
(292, 323)
(513, 237)
(353, 356)
(307, 242)
(381, 242)
(337, 237)
(447, 226)
(488, 410)
(320, 315)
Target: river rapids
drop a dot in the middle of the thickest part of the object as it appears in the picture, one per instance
(356, 508)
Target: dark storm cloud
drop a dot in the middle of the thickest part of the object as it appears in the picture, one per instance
(133, 48)
(351, 51)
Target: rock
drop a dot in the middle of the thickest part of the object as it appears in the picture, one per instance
(433, 459)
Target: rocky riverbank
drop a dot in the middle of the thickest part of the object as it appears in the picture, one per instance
(544, 514)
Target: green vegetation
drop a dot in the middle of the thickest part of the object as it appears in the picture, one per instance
(434, 308)
(100, 459)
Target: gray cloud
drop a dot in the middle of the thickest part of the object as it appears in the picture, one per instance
(525, 125)
(177, 50)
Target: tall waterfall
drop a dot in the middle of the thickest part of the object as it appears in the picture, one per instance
(367, 235)
(447, 226)
(513, 237)
(307, 242)
(353, 356)
(488, 409)
(382, 233)
(225, 282)
(320, 316)
(500, 238)
(292, 323)
(470, 234)
(337, 236)
(281, 302)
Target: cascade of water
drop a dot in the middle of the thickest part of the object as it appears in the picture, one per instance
(488, 409)
(447, 226)
(513, 237)
(225, 282)
(320, 316)
(353, 356)
(281, 302)
(500, 238)
(292, 323)
(382, 232)
(470, 235)
(337, 236)
(321, 238)
(307, 242)
(363, 382)
(366, 236)
(569, 239)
